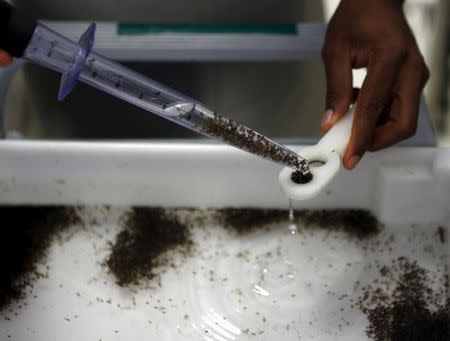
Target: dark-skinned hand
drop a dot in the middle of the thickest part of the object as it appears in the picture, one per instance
(376, 35)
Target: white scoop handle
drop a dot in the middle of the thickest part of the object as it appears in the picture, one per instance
(329, 150)
(336, 139)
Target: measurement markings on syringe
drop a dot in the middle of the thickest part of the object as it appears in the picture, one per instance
(130, 88)
(51, 49)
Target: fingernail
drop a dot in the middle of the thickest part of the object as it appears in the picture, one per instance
(354, 160)
(326, 120)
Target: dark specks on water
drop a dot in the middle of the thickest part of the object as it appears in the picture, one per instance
(147, 235)
(26, 234)
(413, 312)
(247, 220)
(139, 249)
(358, 224)
(441, 234)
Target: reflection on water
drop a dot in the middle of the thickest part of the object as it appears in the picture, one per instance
(218, 328)
(302, 284)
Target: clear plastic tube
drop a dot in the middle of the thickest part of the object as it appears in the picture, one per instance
(76, 61)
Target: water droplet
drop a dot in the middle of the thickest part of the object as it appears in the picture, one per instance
(292, 225)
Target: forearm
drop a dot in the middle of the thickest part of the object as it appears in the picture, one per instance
(365, 3)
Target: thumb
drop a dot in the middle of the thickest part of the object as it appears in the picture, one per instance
(5, 58)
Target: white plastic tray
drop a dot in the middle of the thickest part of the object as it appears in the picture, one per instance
(400, 184)
(407, 189)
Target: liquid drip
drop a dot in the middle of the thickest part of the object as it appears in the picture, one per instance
(277, 278)
(292, 225)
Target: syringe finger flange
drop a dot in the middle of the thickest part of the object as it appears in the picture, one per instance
(71, 75)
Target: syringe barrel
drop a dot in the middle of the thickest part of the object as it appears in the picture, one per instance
(152, 96)
(77, 62)
(25, 37)
(124, 83)
(51, 50)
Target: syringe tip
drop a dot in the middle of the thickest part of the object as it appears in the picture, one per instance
(300, 177)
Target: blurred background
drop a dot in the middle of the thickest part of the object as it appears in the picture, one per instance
(283, 98)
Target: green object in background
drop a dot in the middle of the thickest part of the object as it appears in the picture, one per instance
(142, 29)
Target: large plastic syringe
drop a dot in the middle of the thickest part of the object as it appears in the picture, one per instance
(26, 38)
